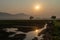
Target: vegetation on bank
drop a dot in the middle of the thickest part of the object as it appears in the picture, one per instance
(56, 34)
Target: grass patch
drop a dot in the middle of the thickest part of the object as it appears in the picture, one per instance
(56, 34)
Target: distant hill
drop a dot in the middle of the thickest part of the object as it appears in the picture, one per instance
(7, 16)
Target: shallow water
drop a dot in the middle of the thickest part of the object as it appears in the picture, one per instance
(29, 36)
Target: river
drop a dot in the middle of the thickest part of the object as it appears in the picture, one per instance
(30, 35)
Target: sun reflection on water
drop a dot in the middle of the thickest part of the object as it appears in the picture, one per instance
(36, 30)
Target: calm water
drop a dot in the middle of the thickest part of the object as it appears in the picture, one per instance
(30, 35)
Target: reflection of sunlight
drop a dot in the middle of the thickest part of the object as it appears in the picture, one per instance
(40, 30)
(36, 31)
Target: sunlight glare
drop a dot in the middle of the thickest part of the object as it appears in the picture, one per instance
(37, 7)
(36, 31)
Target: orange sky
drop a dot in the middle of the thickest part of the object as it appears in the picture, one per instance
(50, 7)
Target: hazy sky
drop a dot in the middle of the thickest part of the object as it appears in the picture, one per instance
(50, 7)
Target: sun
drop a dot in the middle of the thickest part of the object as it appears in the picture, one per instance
(37, 7)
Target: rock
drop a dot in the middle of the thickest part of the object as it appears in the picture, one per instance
(19, 37)
(3, 35)
(35, 38)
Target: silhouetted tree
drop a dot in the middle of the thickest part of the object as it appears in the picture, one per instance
(53, 17)
(31, 17)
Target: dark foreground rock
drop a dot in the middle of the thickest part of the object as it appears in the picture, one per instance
(19, 37)
(35, 38)
(3, 35)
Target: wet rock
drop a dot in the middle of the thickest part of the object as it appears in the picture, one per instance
(42, 32)
(35, 38)
(19, 37)
(3, 35)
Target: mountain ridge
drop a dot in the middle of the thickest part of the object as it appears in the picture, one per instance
(7, 16)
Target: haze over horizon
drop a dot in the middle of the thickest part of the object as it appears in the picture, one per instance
(48, 7)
